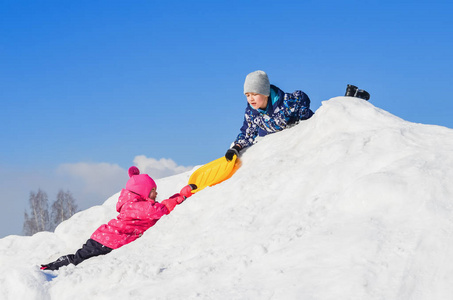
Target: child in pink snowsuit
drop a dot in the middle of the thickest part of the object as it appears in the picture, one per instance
(138, 211)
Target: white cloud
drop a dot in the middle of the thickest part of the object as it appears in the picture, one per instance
(90, 183)
(102, 180)
(96, 179)
(161, 168)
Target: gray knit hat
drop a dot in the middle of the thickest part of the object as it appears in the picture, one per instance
(257, 82)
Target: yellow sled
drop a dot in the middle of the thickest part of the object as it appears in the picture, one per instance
(214, 172)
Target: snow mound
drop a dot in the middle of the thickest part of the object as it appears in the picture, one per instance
(354, 203)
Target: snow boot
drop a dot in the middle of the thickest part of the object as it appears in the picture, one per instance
(362, 94)
(60, 262)
(351, 90)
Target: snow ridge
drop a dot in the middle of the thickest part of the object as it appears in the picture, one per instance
(354, 203)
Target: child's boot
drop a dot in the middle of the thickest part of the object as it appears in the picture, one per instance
(350, 90)
(60, 262)
(353, 91)
(362, 94)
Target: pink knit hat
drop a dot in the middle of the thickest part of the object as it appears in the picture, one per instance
(140, 184)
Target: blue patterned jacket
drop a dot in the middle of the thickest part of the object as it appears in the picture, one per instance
(283, 110)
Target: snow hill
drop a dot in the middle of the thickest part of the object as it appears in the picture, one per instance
(354, 203)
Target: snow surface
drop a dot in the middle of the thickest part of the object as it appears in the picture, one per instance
(354, 203)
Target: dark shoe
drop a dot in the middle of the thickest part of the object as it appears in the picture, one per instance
(62, 261)
(351, 90)
(362, 94)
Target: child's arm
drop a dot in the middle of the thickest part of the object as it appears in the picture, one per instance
(294, 107)
(176, 199)
(249, 130)
(146, 210)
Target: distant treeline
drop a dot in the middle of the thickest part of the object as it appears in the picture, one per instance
(43, 219)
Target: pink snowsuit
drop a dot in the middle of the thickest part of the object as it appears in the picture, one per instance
(136, 215)
(138, 212)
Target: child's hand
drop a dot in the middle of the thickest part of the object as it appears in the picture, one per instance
(232, 152)
(176, 199)
(186, 191)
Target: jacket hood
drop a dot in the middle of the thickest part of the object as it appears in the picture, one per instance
(127, 196)
(275, 95)
(140, 184)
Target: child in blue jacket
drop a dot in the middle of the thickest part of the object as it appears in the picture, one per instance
(269, 110)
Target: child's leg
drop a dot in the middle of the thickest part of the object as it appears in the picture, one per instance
(90, 249)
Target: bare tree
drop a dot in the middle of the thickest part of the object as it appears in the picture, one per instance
(40, 219)
(63, 208)
(39, 216)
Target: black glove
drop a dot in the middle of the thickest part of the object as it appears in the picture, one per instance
(232, 152)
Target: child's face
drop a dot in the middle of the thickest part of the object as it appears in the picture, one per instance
(257, 100)
(153, 194)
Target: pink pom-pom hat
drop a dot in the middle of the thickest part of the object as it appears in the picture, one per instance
(141, 184)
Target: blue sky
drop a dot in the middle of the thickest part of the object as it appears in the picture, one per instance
(89, 88)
